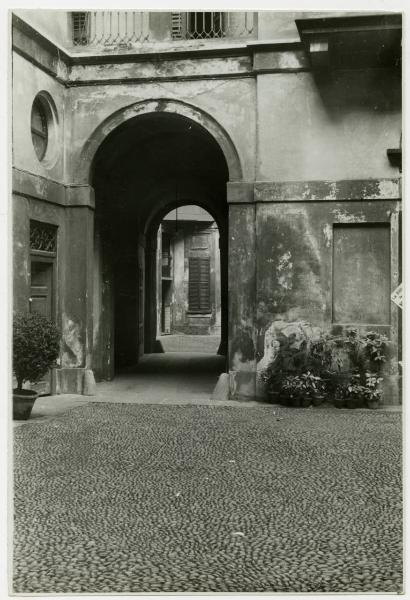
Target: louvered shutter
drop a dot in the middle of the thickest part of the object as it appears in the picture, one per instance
(176, 26)
(199, 285)
(80, 24)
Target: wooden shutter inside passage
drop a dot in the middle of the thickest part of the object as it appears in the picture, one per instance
(199, 285)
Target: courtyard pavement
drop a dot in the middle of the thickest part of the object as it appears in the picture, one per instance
(160, 498)
(208, 344)
(170, 378)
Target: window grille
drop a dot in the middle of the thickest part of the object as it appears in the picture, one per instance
(198, 25)
(199, 299)
(43, 237)
(80, 23)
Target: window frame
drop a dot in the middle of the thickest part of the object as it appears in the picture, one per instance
(39, 108)
(184, 24)
(200, 309)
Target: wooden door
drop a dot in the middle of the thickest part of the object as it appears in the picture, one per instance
(41, 301)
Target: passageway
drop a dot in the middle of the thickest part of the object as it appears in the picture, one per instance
(144, 170)
(174, 377)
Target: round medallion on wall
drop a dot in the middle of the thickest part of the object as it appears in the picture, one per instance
(44, 128)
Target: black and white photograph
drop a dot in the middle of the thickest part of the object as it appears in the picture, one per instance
(205, 232)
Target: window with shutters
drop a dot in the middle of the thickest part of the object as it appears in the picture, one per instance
(199, 300)
(81, 30)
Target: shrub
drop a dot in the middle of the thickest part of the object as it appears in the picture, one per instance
(346, 367)
(36, 344)
(299, 375)
(359, 391)
(367, 353)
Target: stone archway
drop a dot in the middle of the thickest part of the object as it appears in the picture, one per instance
(84, 168)
(145, 155)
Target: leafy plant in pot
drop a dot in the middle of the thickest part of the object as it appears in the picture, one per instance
(304, 390)
(359, 391)
(36, 344)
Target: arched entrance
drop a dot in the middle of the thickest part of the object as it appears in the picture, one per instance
(146, 166)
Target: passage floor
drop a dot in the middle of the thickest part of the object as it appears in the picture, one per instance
(134, 498)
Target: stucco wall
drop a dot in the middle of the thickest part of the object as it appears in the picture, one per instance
(28, 81)
(299, 273)
(55, 24)
(280, 25)
(334, 126)
(231, 103)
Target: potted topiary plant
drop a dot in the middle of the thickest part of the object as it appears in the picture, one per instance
(36, 344)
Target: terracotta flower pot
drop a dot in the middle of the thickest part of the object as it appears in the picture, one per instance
(23, 402)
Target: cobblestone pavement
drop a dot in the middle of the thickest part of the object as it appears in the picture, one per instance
(133, 498)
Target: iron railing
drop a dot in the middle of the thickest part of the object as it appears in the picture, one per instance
(128, 28)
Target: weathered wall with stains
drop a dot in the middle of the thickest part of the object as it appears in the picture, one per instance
(231, 103)
(72, 271)
(308, 176)
(27, 83)
(303, 269)
(40, 192)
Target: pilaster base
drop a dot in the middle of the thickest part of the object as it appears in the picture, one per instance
(78, 380)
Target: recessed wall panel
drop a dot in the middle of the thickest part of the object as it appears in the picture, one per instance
(361, 274)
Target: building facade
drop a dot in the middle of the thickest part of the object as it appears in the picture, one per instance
(189, 278)
(285, 127)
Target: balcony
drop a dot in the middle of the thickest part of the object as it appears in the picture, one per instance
(129, 29)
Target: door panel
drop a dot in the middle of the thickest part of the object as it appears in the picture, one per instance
(41, 301)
